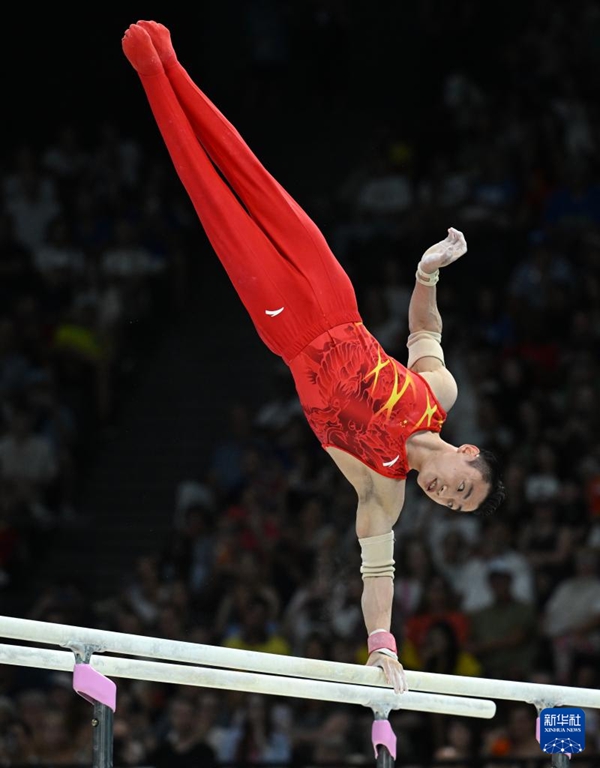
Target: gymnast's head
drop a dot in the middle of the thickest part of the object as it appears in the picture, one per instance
(463, 479)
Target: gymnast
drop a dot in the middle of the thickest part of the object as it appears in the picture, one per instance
(377, 418)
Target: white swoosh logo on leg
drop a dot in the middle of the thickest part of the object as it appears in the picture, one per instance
(392, 462)
(274, 312)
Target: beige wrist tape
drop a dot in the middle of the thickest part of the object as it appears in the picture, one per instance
(377, 553)
(427, 278)
(424, 344)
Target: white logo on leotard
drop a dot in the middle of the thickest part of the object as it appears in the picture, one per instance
(392, 462)
(274, 312)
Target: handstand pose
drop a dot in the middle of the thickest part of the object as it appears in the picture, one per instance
(375, 417)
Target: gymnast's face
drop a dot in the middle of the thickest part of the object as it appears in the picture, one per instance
(450, 479)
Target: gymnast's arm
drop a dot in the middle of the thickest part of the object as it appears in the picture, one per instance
(378, 509)
(425, 353)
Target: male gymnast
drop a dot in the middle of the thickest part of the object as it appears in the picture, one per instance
(375, 417)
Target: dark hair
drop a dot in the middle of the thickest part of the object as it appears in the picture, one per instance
(487, 463)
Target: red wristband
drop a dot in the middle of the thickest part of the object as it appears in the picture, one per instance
(380, 640)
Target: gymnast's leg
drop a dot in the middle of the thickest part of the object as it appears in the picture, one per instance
(263, 278)
(285, 223)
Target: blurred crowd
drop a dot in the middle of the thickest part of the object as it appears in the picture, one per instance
(91, 263)
(263, 554)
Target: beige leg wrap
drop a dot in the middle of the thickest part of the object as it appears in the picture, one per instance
(377, 554)
(424, 344)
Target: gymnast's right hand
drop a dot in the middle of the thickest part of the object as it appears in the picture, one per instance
(392, 669)
(445, 252)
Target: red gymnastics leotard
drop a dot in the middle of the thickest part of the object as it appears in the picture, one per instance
(301, 301)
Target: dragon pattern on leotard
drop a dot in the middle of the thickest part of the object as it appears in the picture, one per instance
(358, 399)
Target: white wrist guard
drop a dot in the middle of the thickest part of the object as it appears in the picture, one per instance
(424, 344)
(425, 278)
(377, 553)
(387, 652)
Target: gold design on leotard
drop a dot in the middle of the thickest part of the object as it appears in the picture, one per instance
(396, 395)
(429, 411)
(375, 372)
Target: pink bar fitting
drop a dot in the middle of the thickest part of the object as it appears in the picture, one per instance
(382, 735)
(93, 686)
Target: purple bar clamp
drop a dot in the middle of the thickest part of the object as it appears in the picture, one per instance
(94, 687)
(383, 735)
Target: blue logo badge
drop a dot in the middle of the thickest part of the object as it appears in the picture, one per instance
(562, 729)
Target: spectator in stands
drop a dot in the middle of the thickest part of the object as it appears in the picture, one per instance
(59, 264)
(54, 420)
(183, 745)
(26, 164)
(438, 604)
(250, 579)
(172, 618)
(494, 191)
(65, 159)
(191, 553)
(84, 357)
(440, 652)
(29, 462)
(330, 738)
(587, 675)
(145, 590)
(575, 204)
(516, 737)
(259, 733)
(308, 611)
(496, 548)
(571, 617)
(456, 559)
(57, 742)
(343, 608)
(213, 714)
(503, 636)
(256, 632)
(548, 544)
(32, 208)
(543, 483)
(132, 267)
(115, 162)
(542, 268)
(375, 194)
(415, 569)
(461, 742)
(226, 471)
(16, 742)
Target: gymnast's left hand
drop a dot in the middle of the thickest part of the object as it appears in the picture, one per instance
(392, 669)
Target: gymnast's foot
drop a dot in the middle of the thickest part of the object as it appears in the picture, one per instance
(161, 38)
(140, 51)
